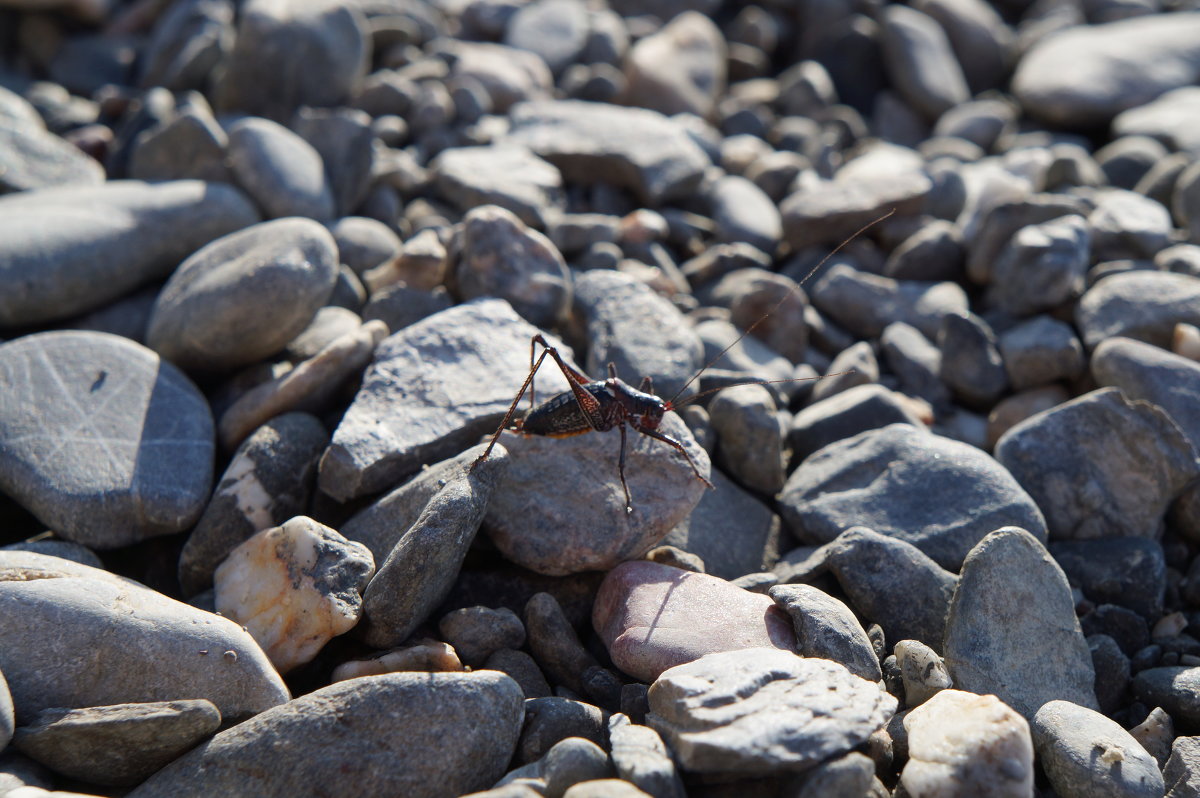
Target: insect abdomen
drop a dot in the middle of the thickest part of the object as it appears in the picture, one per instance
(557, 417)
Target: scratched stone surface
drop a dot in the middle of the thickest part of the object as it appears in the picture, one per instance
(102, 440)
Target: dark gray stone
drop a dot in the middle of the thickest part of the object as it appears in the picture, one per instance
(980, 38)
(1147, 372)
(364, 243)
(478, 632)
(554, 644)
(633, 148)
(149, 647)
(725, 712)
(119, 745)
(1126, 627)
(521, 667)
(384, 734)
(882, 479)
(1100, 465)
(1012, 599)
(1182, 771)
(1176, 689)
(1130, 572)
(32, 158)
(511, 177)
(268, 481)
(921, 63)
(1039, 351)
(769, 305)
(848, 776)
(971, 362)
(742, 212)
(750, 436)
(188, 40)
(344, 139)
(827, 629)
(1112, 672)
(1067, 737)
(1145, 305)
(1128, 225)
(845, 414)
(641, 758)
(211, 316)
(497, 255)
(865, 303)
(279, 170)
(311, 53)
(508, 75)
(190, 145)
(915, 362)
(1042, 266)
(551, 719)
(572, 761)
(400, 306)
(70, 250)
(422, 567)
(103, 441)
(873, 569)
(934, 252)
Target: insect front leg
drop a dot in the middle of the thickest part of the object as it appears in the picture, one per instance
(621, 471)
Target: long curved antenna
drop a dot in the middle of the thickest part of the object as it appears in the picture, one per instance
(763, 317)
(689, 399)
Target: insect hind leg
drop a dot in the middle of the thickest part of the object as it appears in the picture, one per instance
(678, 447)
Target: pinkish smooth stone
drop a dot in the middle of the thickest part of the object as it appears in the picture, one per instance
(652, 617)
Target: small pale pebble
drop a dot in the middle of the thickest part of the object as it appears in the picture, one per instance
(1186, 341)
(1155, 734)
(965, 744)
(923, 671)
(294, 587)
(1169, 625)
(425, 655)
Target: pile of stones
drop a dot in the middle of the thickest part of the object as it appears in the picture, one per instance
(922, 282)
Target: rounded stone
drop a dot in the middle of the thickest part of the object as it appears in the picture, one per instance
(280, 170)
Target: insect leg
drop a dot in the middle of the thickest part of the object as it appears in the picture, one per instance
(587, 403)
(511, 408)
(621, 471)
(678, 446)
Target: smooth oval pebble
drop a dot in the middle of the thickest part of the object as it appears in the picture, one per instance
(280, 170)
(1087, 755)
(420, 735)
(147, 646)
(211, 315)
(103, 441)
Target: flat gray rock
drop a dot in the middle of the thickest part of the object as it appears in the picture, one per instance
(1085, 76)
(1182, 771)
(268, 481)
(641, 758)
(1085, 753)
(763, 711)
(634, 148)
(918, 57)
(679, 68)
(210, 316)
(279, 170)
(64, 251)
(1147, 372)
(1100, 465)
(423, 565)
(119, 745)
(415, 734)
(1012, 630)
(103, 441)
(866, 304)
(1173, 118)
(882, 479)
(742, 212)
(1042, 267)
(846, 414)
(433, 389)
(1174, 688)
(511, 177)
(1145, 305)
(149, 647)
(827, 629)
(32, 157)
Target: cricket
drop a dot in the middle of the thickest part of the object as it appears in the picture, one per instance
(600, 405)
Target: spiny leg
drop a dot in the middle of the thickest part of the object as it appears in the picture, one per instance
(679, 446)
(621, 471)
(511, 408)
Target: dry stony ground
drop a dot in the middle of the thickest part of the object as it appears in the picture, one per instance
(269, 276)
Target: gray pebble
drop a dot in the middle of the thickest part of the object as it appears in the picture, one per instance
(872, 479)
(1145, 305)
(556, 30)
(189, 145)
(346, 143)
(364, 243)
(550, 719)
(120, 745)
(279, 170)
(507, 74)
(678, 69)
(749, 437)
(1122, 624)
(1112, 672)
(980, 38)
(1042, 267)
(105, 443)
(384, 734)
(847, 776)
(511, 177)
(1126, 571)
(329, 324)
(1077, 461)
(524, 671)
(827, 629)
(478, 632)
(1010, 592)
(210, 314)
(922, 64)
(1087, 754)
(915, 362)
(554, 643)
(1127, 159)
(33, 158)
(1176, 689)
(400, 306)
(1128, 225)
(742, 212)
(770, 305)
(187, 40)
(923, 672)
(845, 414)
(641, 758)
(934, 252)
(865, 303)
(854, 366)
(571, 761)
(1147, 372)
(1181, 774)
(971, 362)
(992, 233)
(1040, 350)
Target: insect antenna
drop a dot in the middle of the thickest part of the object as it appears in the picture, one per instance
(687, 400)
(671, 402)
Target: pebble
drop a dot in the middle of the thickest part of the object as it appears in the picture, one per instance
(184, 42)
(330, 323)
(1010, 591)
(280, 171)
(923, 672)
(873, 479)
(1084, 753)
(770, 303)
(364, 244)
(915, 362)
(105, 443)
(151, 647)
(872, 569)
(425, 656)
(554, 644)
(508, 75)
(210, 315)
(1122, 624)
(995, 225)
(1181, 774)
(32, 158)
(1170, 119)
(827, 629)
(1128, 225)
(551, 719)
(1155, 734)
(645, 613)
(284, 57)
(742, 212)
(1042, 267)
(634, 148)
(268, 481)
(935, 252)
(499, 256)
(725, 712)
(1174, 688)
(1077, 459)
(510, 177)
(70, 250)
(865, 304)
(393, 426)
(1089, 74)
(641, 758)
(420, 571)
(845, 414)
(383, 734)
(294, 587)
(345, 141)
(1112, 671)
(1146, 372)
(119, 745)
(478, 632)
(604, 788)
(1040, 350)
(678, 69)
(187, 145)
(572, 761)
(965, 744)
(750, 435)
(918, 55)
(971, 362)
(1144, 305)
(980, 38)
(1130, 572)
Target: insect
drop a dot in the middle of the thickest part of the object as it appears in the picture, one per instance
(599, 405)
